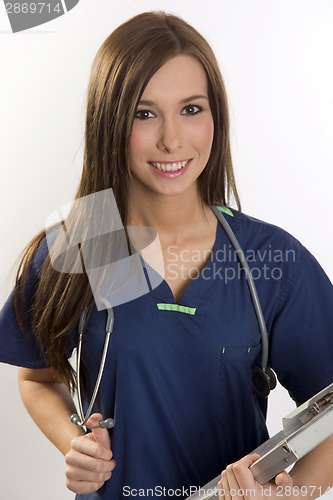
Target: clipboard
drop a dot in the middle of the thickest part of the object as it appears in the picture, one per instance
(303, 429)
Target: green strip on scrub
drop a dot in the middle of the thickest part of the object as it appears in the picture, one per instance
(226, 210)
(177, 308)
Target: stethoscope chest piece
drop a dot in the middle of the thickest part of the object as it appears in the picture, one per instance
(263, 381)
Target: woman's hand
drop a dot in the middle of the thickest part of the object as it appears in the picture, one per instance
(237, 483)
(88, 463)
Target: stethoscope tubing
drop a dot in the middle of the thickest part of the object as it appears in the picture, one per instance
(251, 285)
(108, 330)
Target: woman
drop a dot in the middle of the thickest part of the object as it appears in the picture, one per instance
(178, 373)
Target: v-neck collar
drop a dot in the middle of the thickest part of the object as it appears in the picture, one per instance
(198, 286)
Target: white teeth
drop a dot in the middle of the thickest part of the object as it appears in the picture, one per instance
(169, 167)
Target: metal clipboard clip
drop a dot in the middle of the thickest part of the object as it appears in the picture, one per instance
(303, 429)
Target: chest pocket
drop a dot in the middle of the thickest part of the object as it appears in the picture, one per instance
(237, 405)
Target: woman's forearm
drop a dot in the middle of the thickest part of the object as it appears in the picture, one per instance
(314, 472)
(50, 405)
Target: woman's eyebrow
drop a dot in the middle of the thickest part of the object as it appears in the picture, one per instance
(193, 98)
(183, 101)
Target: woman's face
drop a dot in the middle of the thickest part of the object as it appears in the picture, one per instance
(173, 129)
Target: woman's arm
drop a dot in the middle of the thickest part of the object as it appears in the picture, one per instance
(88, 456)
(315, 471)
(50, 405)
(309, 478)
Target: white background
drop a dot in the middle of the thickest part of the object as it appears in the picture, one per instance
(276, 58)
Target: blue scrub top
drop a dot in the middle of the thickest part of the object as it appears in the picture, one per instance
(178, 379)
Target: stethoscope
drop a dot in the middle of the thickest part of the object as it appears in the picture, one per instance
(82, 419)
(263, 377)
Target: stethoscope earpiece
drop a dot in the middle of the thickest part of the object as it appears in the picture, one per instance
(75, 419)
(263, 381)
(108, 423)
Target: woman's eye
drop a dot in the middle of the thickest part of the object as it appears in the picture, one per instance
(144, 114)
(191, 109)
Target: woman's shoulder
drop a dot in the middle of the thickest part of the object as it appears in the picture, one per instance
(269, 248)
(43, 249)
(255, 232)
(266, 244)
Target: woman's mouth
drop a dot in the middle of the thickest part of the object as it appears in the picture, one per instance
(170, 169)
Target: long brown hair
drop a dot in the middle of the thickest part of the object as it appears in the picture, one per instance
(122, 68)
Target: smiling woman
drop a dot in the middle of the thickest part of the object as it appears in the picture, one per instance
(177, 376)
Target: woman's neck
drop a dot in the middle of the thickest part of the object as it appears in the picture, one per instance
(173, 217)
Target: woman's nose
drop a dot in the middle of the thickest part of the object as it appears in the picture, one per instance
(170, 137)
